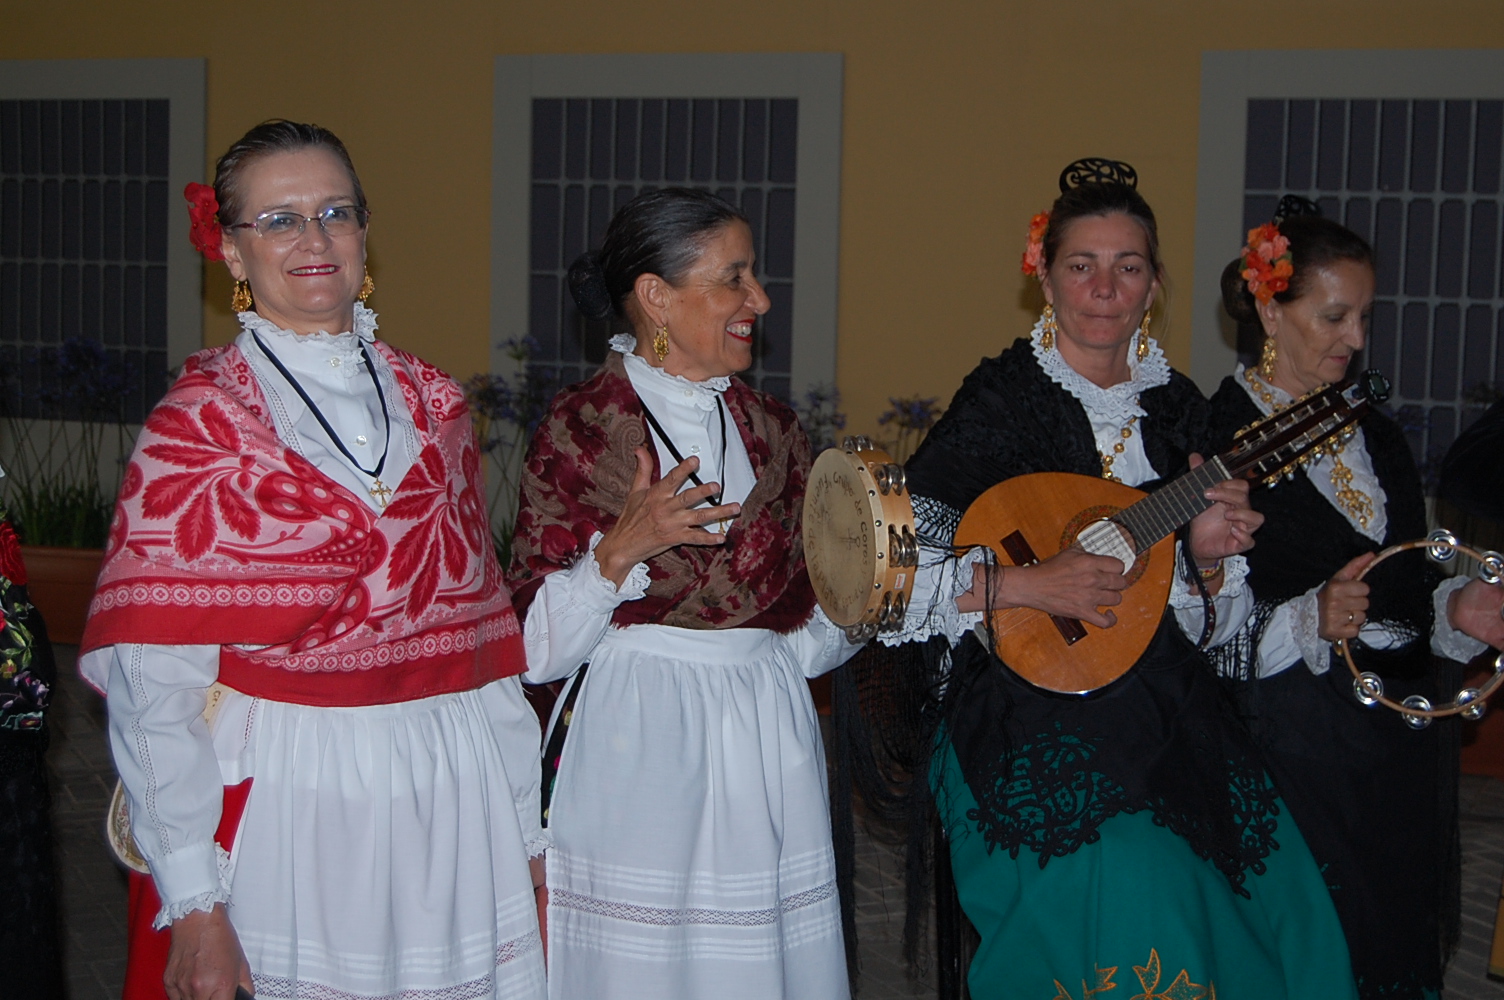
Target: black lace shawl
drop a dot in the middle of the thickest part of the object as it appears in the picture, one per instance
(1048, 770)
(1375, 799)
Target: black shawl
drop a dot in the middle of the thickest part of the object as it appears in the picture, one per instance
(1375, 799)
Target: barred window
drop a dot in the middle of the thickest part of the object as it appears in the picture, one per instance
(1420, 179)
(591, 156)
(83, 243)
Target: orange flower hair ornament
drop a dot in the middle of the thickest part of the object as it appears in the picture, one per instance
(203, 212)
(1033, 262)
(1267, 262)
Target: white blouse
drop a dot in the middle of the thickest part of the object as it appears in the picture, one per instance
(573, 607)
(156, 693)
(1291, 633)
(941, 579)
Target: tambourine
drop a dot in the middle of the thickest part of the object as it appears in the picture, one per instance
(859, 542)
(1441, 546)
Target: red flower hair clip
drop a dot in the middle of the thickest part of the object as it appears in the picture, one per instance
(1033, 263)
(1267, 262)
(203, 211)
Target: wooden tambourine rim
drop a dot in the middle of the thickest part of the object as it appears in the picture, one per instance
(885, 509)
(1456, 707)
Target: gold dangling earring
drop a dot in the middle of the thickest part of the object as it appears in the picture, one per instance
(367, 288)
(1266, 361)
(240, 299)
(660, 343)
(1049, 329)
(1142, 349)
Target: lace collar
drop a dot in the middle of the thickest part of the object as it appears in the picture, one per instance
(1117, 402)
(673, 388)
(314, 352)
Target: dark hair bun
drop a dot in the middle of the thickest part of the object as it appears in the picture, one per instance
(1236, 298)
(587, 284)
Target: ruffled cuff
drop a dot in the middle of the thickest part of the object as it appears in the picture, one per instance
(1184, 596)
(600, 594)
(1305, 624)
(932, 608)
(168, 874)
(1452, 643)
(538, 846)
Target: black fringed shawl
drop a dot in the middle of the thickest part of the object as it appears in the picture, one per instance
(1375, 799)
(1048, 770)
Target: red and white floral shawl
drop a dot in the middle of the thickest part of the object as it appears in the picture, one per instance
(580, 466)
(224, 535)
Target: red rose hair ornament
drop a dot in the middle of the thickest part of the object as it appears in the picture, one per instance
(203, 210)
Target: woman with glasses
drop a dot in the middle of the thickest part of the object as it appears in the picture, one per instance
(310, 659)
(658, 561)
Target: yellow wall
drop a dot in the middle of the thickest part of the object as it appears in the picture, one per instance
(959, 115)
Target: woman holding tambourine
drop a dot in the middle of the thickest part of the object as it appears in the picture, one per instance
(1375, 798)
(1128, 837)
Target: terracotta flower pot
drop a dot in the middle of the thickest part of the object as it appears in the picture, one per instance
(61, 585)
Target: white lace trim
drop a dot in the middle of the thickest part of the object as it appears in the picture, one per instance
(705, 392)
(633, 587)
(1447, 641)
(1184, 595)
(1305, 625)
(1117, 402)
(537, 847)
(365, 329)
(203, 901)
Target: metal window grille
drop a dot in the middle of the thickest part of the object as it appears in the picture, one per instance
(1420, 179)
(591, 156)
(83, 243)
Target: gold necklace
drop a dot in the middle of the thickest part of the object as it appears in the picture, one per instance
(1117, 448)
(1357, 504)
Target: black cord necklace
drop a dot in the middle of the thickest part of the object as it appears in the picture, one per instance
(715, 499)
(379, 491)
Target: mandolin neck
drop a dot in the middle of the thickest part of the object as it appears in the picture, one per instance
(1160, 513)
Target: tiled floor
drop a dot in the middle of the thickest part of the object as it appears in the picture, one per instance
(94, 889)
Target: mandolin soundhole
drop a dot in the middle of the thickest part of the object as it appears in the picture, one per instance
(1092, 530)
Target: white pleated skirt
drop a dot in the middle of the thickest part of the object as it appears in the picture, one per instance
(690, 823)
(383, 852)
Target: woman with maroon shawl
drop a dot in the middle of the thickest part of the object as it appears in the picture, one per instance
(658, 542)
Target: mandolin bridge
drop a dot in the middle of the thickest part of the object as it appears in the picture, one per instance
(1022, 554)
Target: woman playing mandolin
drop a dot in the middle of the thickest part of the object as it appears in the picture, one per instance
(1375, 798)
(1129, 837)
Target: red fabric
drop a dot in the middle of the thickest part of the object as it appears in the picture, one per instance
(580, 466)
(146, 956)
(223, 535)
(12, 566)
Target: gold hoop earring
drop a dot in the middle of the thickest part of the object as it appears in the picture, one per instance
(367, 288)
(1266, 360)
(1142, 349)
(1048, 327)
(660, 343)
(240, 299)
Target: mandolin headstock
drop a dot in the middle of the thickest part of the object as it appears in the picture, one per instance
(1272, 448)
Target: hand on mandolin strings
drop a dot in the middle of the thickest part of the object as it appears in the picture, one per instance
(1073, 583)
(658, 517)
(1225, 528)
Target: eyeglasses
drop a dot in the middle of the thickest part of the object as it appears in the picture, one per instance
(283, 227)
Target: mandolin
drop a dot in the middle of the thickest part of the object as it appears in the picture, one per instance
(1030, 518)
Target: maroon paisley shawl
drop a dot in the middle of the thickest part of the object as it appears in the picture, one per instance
(223, 535)
(580, 467)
